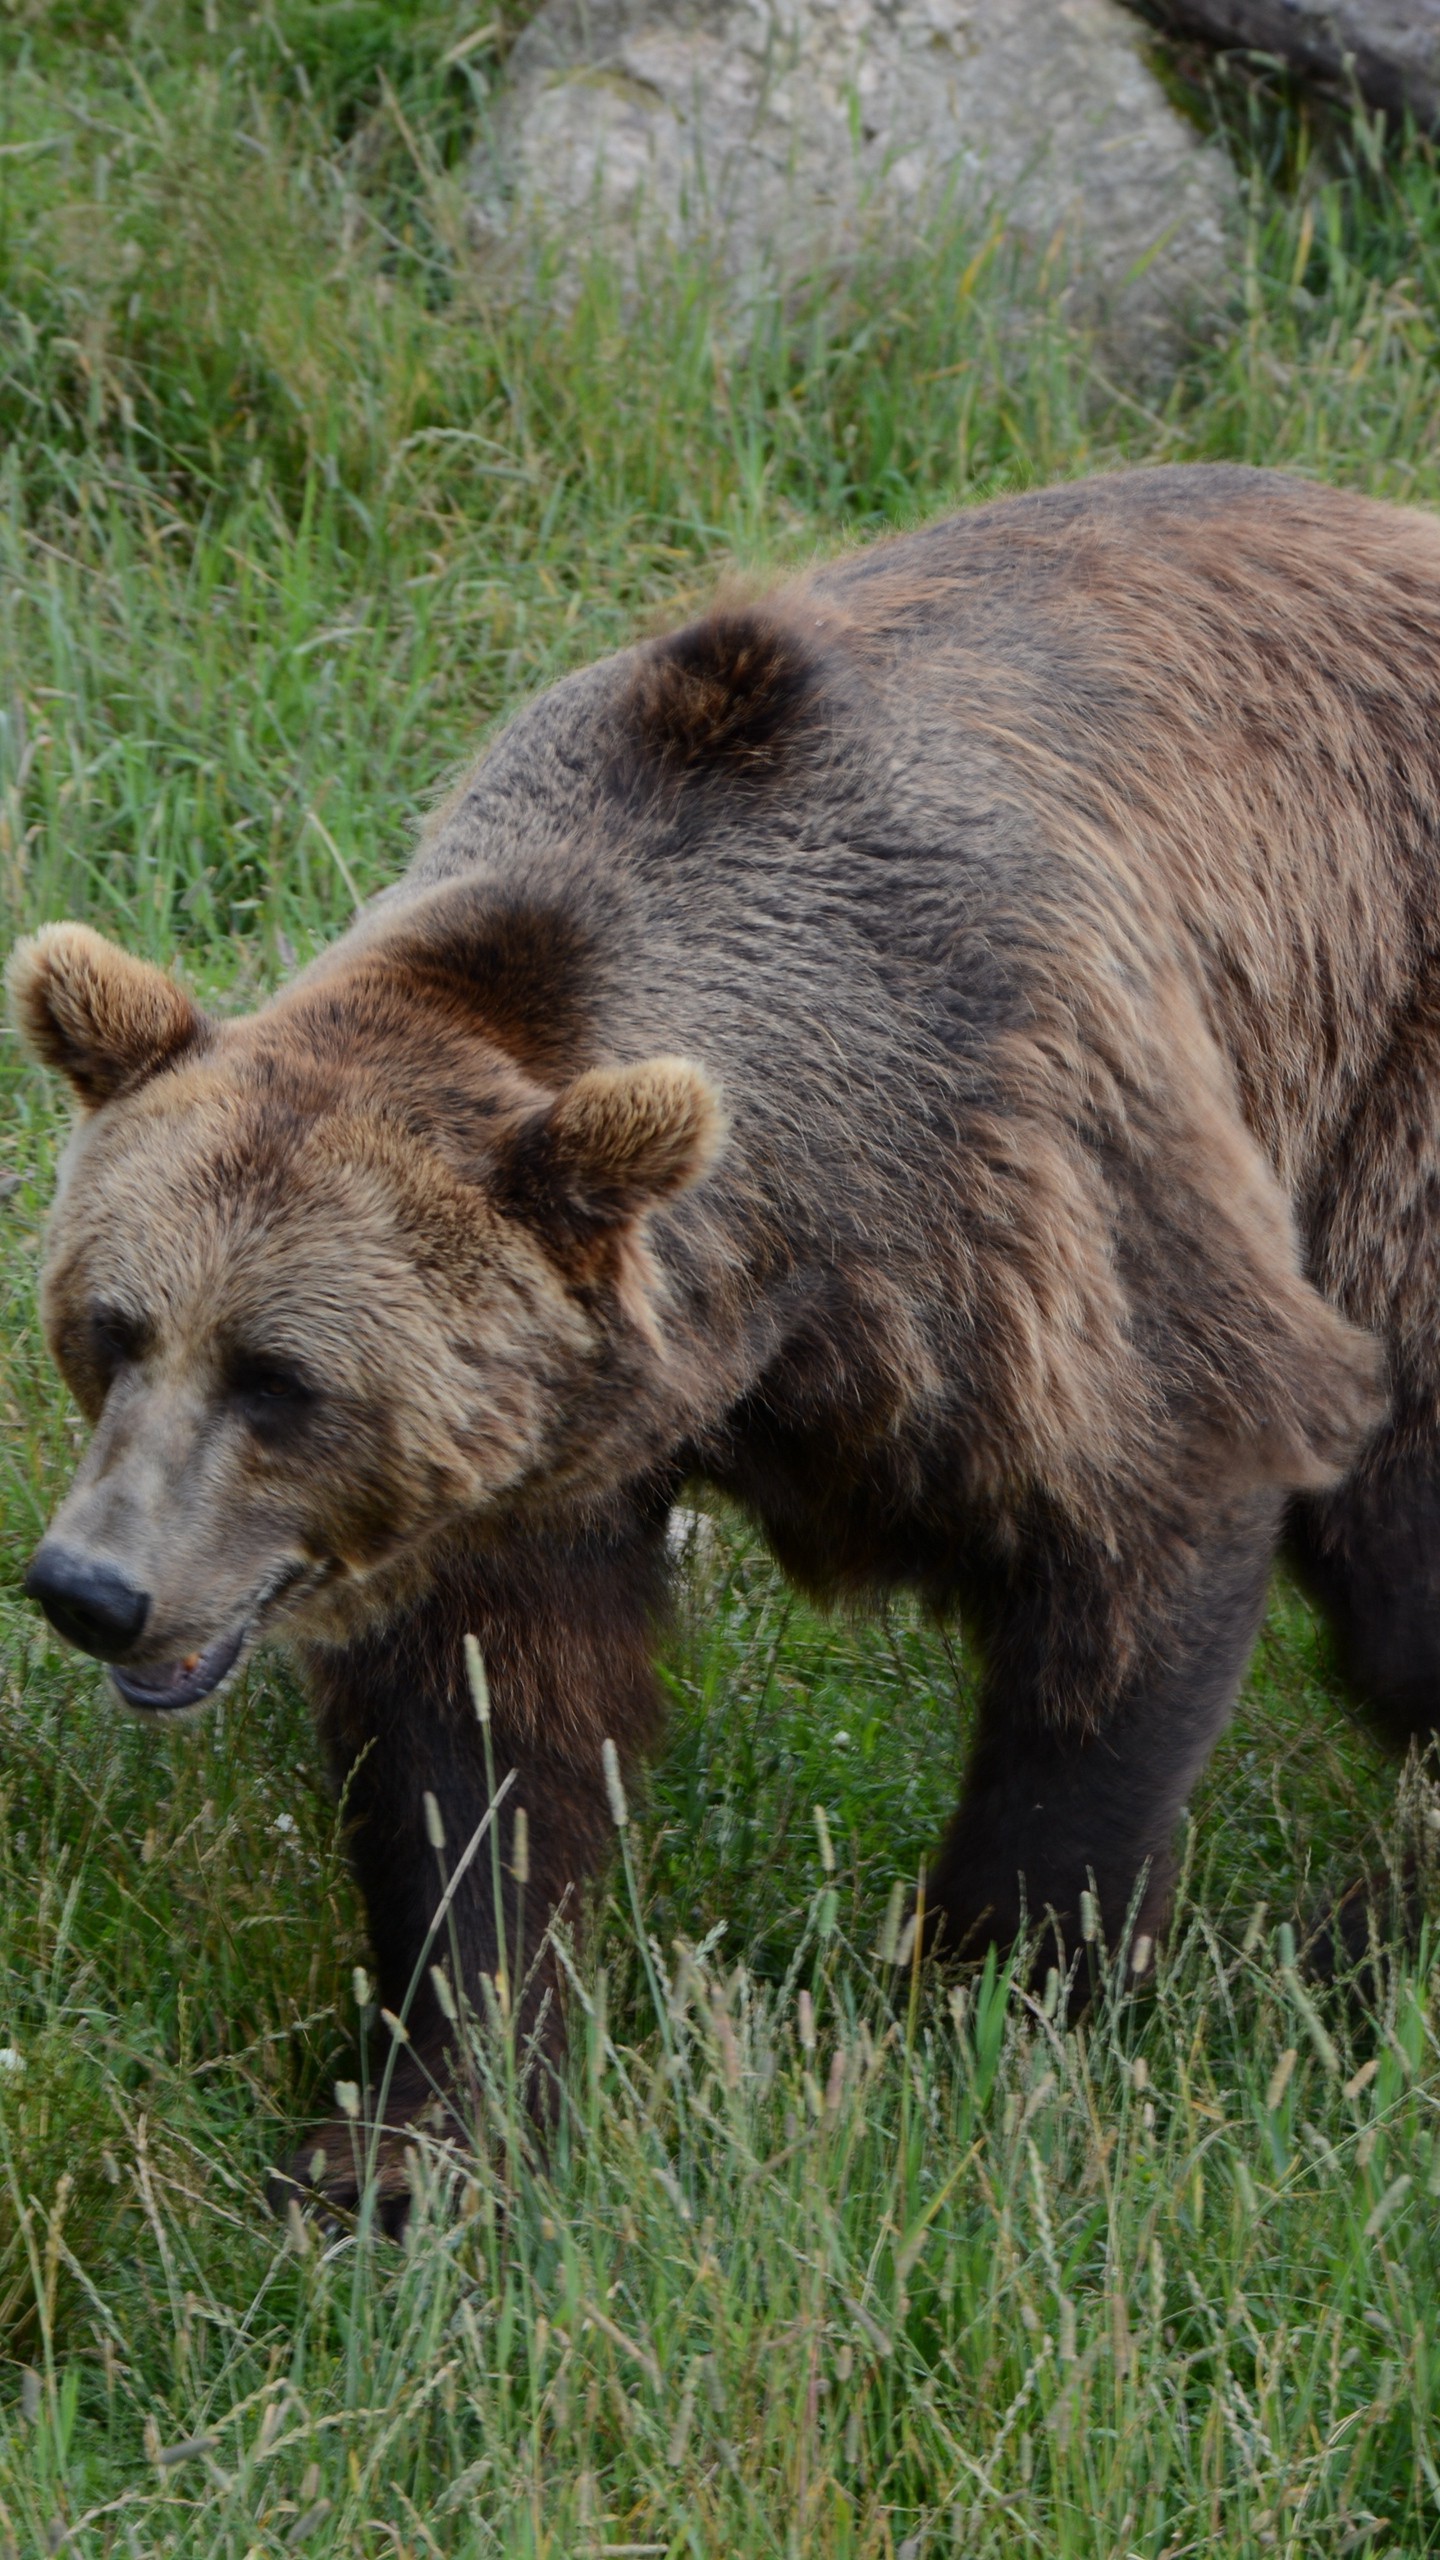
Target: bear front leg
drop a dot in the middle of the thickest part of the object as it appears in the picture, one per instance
(566, 1629)
(1052, 1808)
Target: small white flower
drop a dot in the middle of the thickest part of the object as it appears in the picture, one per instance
(283, 1823)
(11, 2058)
(842, 1740)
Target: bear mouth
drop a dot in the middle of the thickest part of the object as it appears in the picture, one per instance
(183, 1684)
(166, 1689)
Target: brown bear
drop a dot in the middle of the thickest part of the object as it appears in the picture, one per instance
(949, 1055)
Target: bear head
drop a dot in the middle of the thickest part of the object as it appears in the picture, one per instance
(332, 1282)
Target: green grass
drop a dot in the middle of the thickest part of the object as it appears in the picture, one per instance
(294, 504)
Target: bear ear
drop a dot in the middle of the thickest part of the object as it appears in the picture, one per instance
(87, 1009)
(727, 693)
(615, 1142)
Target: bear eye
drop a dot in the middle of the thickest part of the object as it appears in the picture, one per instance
(270, 1393)
(117, 1337)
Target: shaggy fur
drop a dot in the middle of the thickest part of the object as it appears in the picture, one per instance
(949, 1056)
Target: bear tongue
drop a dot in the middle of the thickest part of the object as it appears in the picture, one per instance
(181, 1684)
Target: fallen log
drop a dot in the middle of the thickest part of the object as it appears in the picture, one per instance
(1388, 49)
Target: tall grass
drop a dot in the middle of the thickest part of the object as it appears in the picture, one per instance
(295, 502)
(817, 2270)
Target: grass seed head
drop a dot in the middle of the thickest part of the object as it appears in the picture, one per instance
(479, 1686)
(614, 1789)
(1280, 2079)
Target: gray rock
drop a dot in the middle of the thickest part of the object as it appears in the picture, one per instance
(785, 137)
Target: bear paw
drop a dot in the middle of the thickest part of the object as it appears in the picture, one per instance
(346, 2160)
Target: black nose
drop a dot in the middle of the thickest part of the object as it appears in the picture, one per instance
(89, 1604)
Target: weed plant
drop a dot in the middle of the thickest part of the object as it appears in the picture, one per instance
(824, 2257)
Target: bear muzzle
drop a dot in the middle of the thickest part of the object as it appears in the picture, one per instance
(91, 1604)
(94, 1604)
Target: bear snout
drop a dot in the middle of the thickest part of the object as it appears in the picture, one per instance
(92, 1605)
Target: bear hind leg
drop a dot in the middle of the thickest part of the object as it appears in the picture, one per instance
(1051, 1810)
(1369, 1555)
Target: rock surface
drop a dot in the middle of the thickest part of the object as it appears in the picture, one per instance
(784, 136)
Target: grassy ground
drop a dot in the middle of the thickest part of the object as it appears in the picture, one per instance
(290, 511)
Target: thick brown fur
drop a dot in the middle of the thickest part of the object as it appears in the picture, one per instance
(949, 1055)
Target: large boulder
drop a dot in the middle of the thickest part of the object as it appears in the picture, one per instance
(788, 136)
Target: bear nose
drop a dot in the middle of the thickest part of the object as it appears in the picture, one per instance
(92, 1605)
